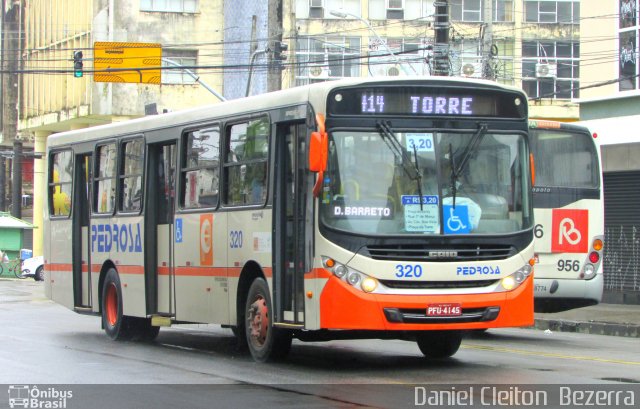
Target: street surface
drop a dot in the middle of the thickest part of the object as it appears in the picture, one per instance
(43, 343)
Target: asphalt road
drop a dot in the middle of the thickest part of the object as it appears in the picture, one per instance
(44, 345)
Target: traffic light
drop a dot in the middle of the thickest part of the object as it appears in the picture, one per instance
(279, 48)
(77, 64)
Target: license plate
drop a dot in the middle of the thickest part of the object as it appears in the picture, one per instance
(444, 310)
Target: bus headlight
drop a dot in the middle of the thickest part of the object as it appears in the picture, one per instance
(353, 278)
(369, 284)
(514, 280)
(357, 279)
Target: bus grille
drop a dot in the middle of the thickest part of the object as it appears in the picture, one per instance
(413, 252)
(437, 285)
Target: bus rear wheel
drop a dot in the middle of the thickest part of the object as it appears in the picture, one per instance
(116, 325)
(439, 344)
(265, 342)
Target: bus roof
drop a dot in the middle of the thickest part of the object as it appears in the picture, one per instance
(545, 124)
(314, 93)
(615, 130)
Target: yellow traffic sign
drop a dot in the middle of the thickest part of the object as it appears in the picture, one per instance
(127, 62)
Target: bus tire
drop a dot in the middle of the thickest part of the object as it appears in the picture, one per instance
(117, 326)
(439, 344)
(265, 342)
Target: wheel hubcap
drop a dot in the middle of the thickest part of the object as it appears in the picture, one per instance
(258, 321)
(111, 305)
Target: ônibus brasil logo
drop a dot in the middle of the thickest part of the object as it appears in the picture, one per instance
(25, 396)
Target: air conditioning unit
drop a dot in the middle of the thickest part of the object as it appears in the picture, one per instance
(545, 70)
(318, 72)
(472, 70)
(314, 4)
(395, 4)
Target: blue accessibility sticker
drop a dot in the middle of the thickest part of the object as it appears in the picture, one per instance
(456, 219)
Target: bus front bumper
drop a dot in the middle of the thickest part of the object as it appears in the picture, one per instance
(344, 307)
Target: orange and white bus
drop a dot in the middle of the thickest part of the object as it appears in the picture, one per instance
(360, 208)
(569, 216)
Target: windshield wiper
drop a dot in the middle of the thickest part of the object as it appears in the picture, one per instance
(458, 168)
(410, 168)
(419, 179)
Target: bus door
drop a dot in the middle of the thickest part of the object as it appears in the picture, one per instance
(292, 215)
(80, 252)
(159, 229)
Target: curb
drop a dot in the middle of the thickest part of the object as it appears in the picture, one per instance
(589, 327)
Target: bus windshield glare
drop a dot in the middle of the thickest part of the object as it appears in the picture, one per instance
(405, 186)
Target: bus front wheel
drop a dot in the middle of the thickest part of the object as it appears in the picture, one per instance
(266, 342)
(439, 344)
(116, 325)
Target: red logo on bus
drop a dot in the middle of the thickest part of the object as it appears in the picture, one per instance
(206, 239)
(570, 231)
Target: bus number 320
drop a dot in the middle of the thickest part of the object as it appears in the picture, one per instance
(408, 271)
(235, 239)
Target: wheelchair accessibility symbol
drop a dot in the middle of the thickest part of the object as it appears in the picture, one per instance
(456, 219)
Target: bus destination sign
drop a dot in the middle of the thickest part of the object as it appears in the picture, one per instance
(427, 102)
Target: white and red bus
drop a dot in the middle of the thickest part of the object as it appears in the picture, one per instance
(569, 216)
(357, 208)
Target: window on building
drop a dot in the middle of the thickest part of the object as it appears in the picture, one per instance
(131, 175)
(169, 6)
(503, 10)
(546, 11)
(466, 10)
(245, 165)
(321, 58)
(200, 168)
(60, 177)
(185, 58)
(104, 199)
(551, 69)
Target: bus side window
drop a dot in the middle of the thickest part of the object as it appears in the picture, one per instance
(245, 167)
(60, 183)
(104, 184)
(200, 168)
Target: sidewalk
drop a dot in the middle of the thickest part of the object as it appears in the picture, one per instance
(604, 319)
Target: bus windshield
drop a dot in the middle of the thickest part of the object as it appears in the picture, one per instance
(407, 186)
(565, 159)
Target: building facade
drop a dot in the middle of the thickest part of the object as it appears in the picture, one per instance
(530, 44)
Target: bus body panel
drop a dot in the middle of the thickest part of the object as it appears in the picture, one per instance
(201, 273)
(60, 263)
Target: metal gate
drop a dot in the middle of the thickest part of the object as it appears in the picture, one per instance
(622, 237)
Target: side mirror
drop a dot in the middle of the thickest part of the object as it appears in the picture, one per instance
(318, 147)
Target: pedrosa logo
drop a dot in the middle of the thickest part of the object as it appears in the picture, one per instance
(570, 231)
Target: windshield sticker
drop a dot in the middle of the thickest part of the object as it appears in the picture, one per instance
(456, 219)
(362, 212)
(421, 142)
(425, 219)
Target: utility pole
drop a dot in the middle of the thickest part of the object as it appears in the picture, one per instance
(486, 42)
(441, 46)
(12, 46)
(3, 169)
(274, 29)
